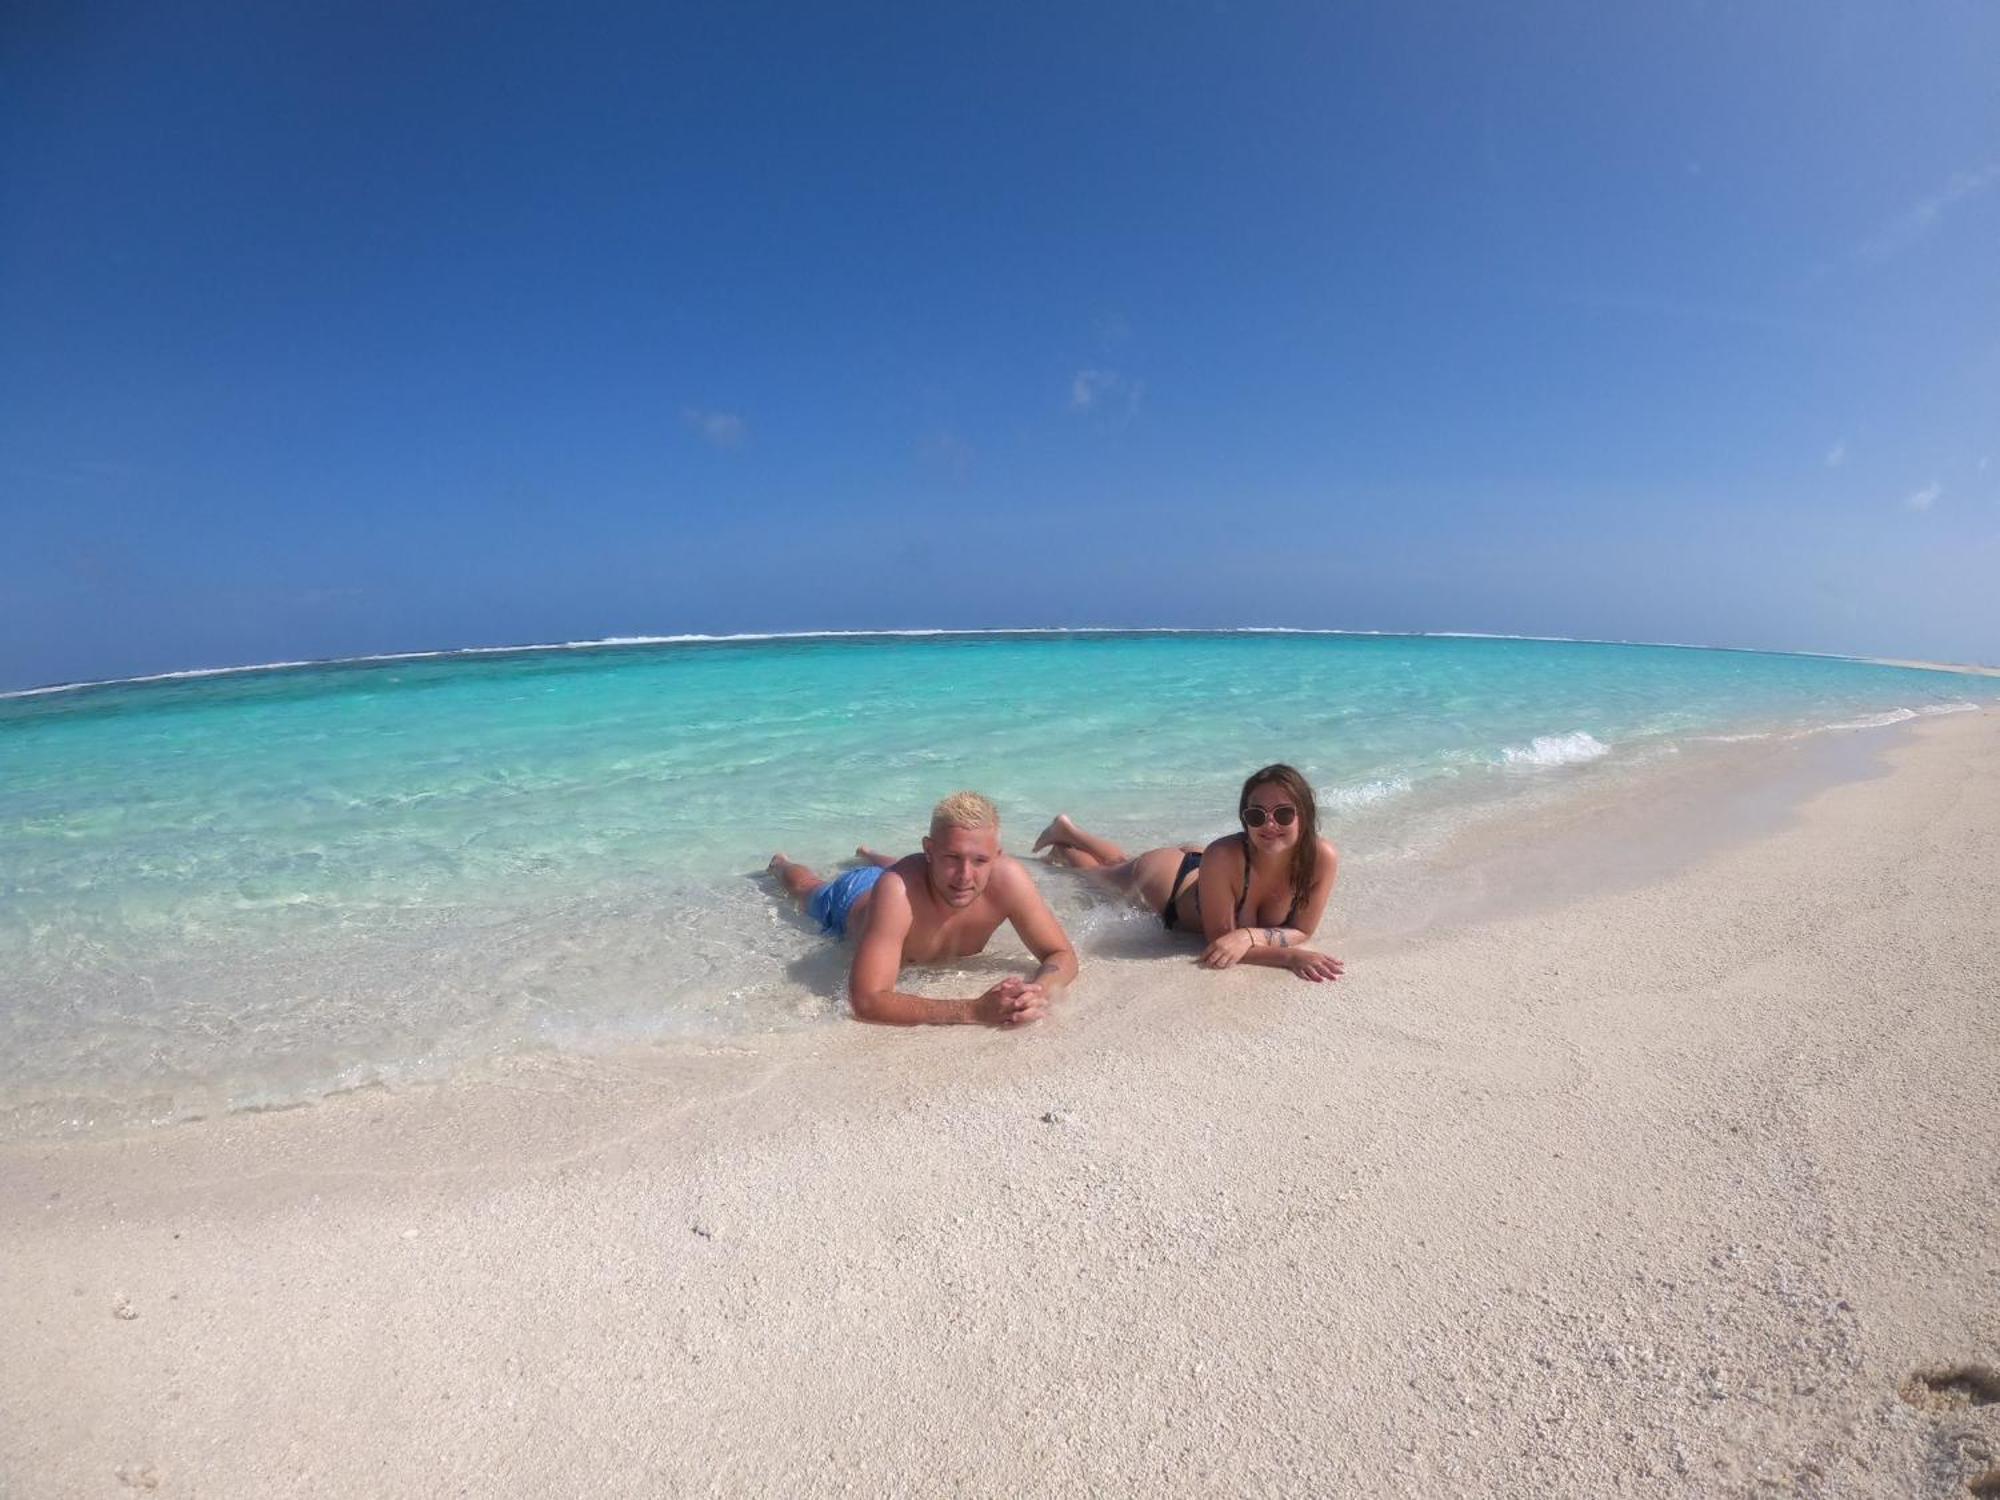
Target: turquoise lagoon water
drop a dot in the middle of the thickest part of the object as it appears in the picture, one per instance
(257, 887)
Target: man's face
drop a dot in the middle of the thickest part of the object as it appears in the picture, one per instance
(961, 862)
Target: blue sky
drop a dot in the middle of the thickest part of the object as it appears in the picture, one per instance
(330, 329)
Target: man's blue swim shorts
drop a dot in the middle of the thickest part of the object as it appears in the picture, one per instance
(830, 904)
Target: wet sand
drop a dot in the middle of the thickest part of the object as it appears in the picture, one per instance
(1684, 1184)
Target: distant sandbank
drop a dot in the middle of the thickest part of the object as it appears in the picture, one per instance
(1966, 669)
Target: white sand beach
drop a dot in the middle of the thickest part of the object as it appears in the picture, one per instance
(1689, 1185)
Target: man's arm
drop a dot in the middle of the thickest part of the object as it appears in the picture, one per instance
(878, 961)
(1038, 928)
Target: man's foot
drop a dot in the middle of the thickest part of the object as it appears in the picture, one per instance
(874, 856)
(777, 864)
(1059, 832)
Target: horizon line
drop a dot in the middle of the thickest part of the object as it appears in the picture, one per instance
(701, 638)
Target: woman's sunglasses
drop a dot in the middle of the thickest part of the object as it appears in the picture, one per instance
(1284, 815)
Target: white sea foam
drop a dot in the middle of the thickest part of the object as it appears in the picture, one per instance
(1870, 721)
(1572, 749)
(1893, 716)
(702, 638)
(1363, 794)
(1866, 721)
(602, 642)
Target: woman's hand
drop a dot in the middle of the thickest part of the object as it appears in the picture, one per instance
(1314, 966)
(1227, 949)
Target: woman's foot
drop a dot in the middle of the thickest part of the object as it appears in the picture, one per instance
(1059, 833)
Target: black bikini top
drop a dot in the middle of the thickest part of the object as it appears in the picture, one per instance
(1244, 894)
(1192, 861)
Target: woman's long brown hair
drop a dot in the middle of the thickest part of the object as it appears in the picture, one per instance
(1305, 855)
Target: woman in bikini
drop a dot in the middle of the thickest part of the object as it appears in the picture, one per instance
(1256, 897)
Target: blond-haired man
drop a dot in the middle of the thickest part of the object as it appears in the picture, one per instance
(927, 908)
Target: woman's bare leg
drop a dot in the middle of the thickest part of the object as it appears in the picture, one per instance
(1152, 878)
(1069, 857)
(1063, 834)
(1147, 878)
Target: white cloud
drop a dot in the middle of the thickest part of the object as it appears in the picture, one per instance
(1837, 454)
(723, 428)
(1090, 390)
(947, 452)
(1911, 226)
(1086, 386)
(1925, 498)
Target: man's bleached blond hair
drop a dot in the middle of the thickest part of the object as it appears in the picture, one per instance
(965, 810)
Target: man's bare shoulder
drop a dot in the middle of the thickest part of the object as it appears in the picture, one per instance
(1011, 881)
(906, 879)
(896, 881)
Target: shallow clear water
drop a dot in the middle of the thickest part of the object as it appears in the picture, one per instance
(257, 887)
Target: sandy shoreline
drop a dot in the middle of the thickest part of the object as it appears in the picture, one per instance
(1669, 1188)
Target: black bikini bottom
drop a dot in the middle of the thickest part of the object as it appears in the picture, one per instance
(1190, 862)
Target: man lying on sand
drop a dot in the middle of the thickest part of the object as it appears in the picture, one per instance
(941, 904)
